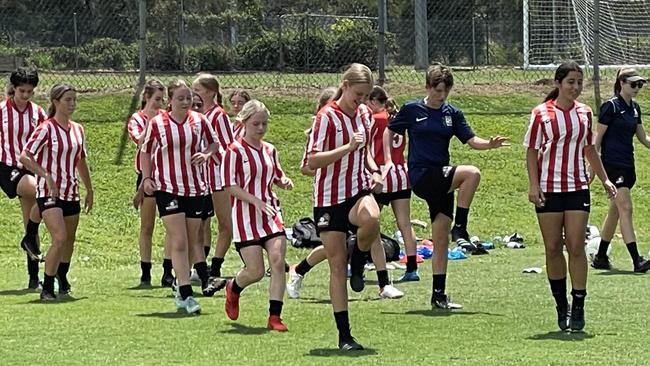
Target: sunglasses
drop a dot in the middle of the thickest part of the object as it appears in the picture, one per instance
(636, 84)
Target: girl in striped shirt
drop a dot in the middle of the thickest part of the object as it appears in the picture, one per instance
(559, 143)
(152, 99)
(56, 152)
(176, 145)
(342, 202)
(237, 99)
(19, 116)
(250, 169)
(207, 87)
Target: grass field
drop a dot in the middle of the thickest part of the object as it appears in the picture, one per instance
(509, 317)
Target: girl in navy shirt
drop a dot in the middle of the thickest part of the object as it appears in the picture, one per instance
(619, 121)
(431, 123)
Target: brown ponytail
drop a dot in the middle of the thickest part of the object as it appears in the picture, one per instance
(210, 82)
(560, 74)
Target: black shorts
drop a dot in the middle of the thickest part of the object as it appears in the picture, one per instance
(566, 201)
(170, 204)
(208, 208)
(10, 176)
(261, 241)
(335, 218)
(69, 208)
(621, 176)
(138, 181)
(433, 187)
(384, 199)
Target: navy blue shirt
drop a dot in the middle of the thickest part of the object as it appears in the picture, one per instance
(429, 132)
(621, 120)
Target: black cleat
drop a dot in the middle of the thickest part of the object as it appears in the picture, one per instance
(443, 302)
(47, 296)
(577, 319)
(166, 280)
(642, 266)
(458, 232)
(349, 344)
(215, 272)
(30, 246)
(562, 317)
(145, 283)
(602, 263)
(34, 284)
(214, 285)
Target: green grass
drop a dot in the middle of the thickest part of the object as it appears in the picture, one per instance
(508, 318)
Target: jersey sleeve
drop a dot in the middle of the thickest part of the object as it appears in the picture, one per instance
(41, 114)
(319, 136)
(150, 136)
(135, 129)
(209, 136)
(229, 167)
(82, 136)
(38, 139)
(461, 128)
(638, 110)
(223, 129)
(606, 113)
(533, 137)
(402, 121)
(277, 168)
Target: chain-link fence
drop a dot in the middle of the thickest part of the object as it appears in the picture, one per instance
(279, 44)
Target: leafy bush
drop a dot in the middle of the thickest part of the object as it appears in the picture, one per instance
(262, 53)
(209, 57)
(354, 41)
(108, 53)
(162, 56)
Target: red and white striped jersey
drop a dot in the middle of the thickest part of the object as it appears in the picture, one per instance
(137, 125)
(172, 169)
(346, 177)
(238, 130)
(17, 127)
(58, 150)
(560, 136)
(397, 179)
(220, 123)
(254, 170)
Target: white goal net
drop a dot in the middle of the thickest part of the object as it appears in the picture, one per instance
(559, 30)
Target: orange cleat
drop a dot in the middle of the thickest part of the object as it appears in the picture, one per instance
(275, 323)
(232, 302)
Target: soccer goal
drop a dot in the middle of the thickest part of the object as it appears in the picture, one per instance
(558, 30)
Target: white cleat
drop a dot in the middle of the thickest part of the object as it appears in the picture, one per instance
(390, 292)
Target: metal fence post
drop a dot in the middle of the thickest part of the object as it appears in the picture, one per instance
(596, 54)
(142, 40)
(181, 35)
(76, 42)
(381, 41)
(421, 35)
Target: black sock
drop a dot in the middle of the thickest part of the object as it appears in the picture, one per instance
(438, 286)
(206, 250)
(382, 278)
(32, 268)
(32, 228)
(146, 271)
(215, 268)
(602, 248)
(411, 263)
(275, 307)
(634, 252)
(558, 289)
(343, 324)
(185, 291)
(461, 216)
(303, 267)
(202, 270)
(48, 283)
(167, 266)
(358, 259)
(62, 274)
(578, 298)
(235, 287)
